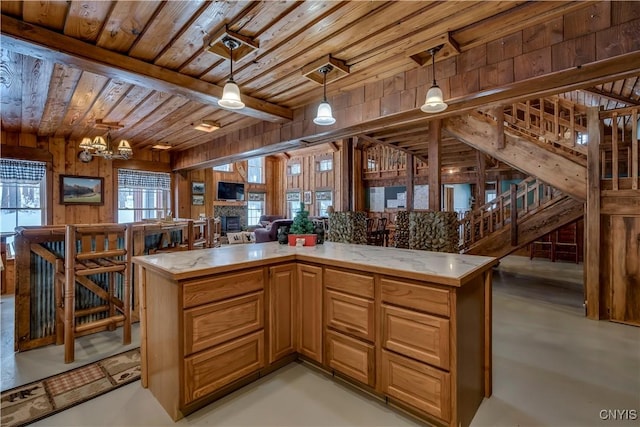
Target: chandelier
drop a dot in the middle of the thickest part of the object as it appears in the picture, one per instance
(103, 146)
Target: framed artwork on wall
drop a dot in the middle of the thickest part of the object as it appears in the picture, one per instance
(307, 197)
(197, 187)
(81, 190)
(197, 200)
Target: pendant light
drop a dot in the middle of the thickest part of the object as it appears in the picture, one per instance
(231, 93)
(434, 102)
(324, 116)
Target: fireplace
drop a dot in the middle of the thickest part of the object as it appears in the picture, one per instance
(230, 224)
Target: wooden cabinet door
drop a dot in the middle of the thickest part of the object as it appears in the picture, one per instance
(351, 357)
(310, 312)
(625, 266)
(350, 314)
(421, 386)
(281, 320)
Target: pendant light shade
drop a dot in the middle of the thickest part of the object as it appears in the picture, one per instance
(231, 92)
(324, 116)
(231, 96)
(434, 103)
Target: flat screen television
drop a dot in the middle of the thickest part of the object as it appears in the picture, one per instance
(230, 190)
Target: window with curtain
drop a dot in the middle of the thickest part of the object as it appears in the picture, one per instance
(255, 207)
(22, 192)
(256, 170)
(324, 199)
(293, 203)
(143, 195)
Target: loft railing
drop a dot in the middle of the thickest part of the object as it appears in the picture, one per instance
(619, 157)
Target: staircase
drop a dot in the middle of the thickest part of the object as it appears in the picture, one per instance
(533, 206)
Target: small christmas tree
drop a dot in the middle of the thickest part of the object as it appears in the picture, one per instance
(301, 223)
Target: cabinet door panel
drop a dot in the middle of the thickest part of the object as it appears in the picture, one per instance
(212, 369)
(351, 357)
(350, 314)
(213, 324)
(421, 386)
(417, 335)
(281, 311)
(310, 311)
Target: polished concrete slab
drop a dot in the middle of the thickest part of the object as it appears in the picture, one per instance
(552, 367)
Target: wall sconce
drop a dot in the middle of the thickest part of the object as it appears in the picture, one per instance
(324, 116)
(434, 102)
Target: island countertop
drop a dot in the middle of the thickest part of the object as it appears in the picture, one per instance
(443, 268)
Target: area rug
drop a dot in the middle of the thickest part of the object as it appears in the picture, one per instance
(31, 402)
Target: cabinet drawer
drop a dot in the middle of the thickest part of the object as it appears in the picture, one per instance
(421, 386)
(350, 314)
(421, 297)
(221, 287)
(352, 357)
(212, 369)
(213, 324)
(417, 335)
(351, 283)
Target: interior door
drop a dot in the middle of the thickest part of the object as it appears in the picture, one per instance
(625, 266)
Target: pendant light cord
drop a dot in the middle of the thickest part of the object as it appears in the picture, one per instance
(231, 56)
(324, 85)
(433, 67)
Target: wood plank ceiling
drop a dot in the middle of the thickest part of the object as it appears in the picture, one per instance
(143, 64)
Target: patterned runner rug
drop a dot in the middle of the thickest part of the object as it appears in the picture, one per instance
(31, 402)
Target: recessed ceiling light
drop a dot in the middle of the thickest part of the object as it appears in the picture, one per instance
(206, 125)
(161, 147)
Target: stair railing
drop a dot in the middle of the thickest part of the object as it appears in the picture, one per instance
(528, 196)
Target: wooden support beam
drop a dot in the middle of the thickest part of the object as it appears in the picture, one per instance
(592, 217)
(611, 96)
(435, 176)
(388, 144)
(499, 115)
(410, 171)
(32, 40)
(346, 189)
(480, 178)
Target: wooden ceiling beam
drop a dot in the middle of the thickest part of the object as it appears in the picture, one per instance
(386, 144)
(32, 40)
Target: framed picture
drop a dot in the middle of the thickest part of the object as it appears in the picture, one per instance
(81, 190)
(197, 187)
(197, 200)
(307, 197)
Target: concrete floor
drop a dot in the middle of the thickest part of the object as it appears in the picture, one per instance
(552, 367)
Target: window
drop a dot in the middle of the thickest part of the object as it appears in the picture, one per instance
(293, 169)
(224, 168)
(323, 201)
(255, 207)
(324, 165)
(293, 203)
(22, 190)
(372, 165)
(256, 170)
(143, 195)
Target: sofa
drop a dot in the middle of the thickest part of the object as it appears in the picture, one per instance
(266, 220)
(270, 232)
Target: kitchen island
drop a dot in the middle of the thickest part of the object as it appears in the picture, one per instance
(410, 327)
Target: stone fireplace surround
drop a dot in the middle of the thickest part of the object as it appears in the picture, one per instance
(239, 211)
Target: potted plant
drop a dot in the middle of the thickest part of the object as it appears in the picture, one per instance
(302, 228)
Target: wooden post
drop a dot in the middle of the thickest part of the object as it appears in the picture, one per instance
(346, 187)
(514, 214)
(499, 113)
(634, 150)
(592, 216)
(410, 170)
(435, 178)
(480, 178)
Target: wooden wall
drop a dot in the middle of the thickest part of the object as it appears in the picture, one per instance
(62, 159)
(311, 179)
